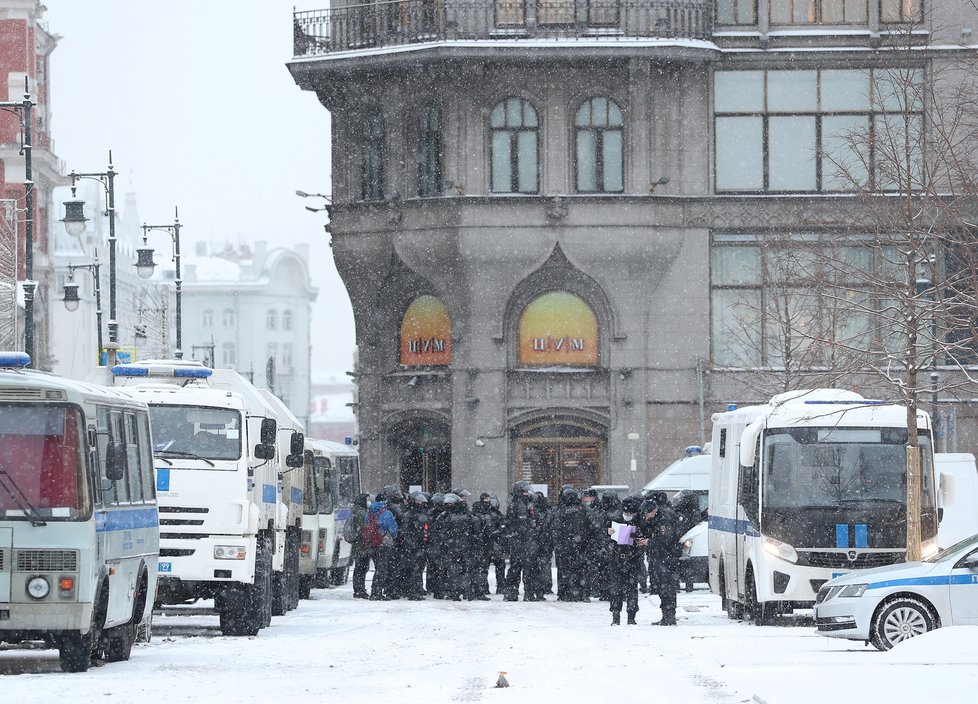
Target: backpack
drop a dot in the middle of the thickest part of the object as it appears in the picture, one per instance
(372, 535)
(351, 531)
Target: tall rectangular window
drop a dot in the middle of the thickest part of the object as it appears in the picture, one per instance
(514, 161)
(429, 151)
(816, 131)
(372, 151)
(901, 11)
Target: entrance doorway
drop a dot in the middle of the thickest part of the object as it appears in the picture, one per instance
(555, 454)
(424, 455)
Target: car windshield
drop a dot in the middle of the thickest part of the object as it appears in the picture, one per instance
(42, 462)
(200, 432)
(955, 551)
(832, 467)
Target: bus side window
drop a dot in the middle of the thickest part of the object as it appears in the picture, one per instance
(748, 489)
(723, 442)
(348, 488)
(119, 435)
(93, 464)
(106, 489)
(133, 460)
(146, 458)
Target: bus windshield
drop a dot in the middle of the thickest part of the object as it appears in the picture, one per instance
(42, 462)
(840, 467)
(195, 432)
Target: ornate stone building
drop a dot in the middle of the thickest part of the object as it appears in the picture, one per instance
(542, 212)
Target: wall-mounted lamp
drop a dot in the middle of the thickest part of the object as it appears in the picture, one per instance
(661, 182)
(412, 382)
(633, 465)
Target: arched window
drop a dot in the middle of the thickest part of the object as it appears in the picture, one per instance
(599, 127)
(286, 320)
(228, 318)
(429, 151)
(372, 156)
(514, 134)
(426, 333)
(558, 329)
(271, 319)
(229, 357)
(207, 318)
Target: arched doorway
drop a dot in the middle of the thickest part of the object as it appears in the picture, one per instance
(555, 452)
(423, 448)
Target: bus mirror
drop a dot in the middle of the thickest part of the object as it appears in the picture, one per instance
(115, 461)
(268, 430)
(293, 460)
(264, 451)
(298, 441)
(748, 443)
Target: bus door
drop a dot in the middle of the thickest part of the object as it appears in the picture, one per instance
(6, 558)
(748, 515)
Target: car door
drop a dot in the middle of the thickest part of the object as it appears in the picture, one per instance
(963, 590)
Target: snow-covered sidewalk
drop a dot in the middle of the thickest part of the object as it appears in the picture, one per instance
(335, 648)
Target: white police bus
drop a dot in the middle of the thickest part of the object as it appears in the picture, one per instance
(332, 483)
(79, 530)
(806, 487)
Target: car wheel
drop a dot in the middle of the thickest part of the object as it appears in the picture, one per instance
(898, 620)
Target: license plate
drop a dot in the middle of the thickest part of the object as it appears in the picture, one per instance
(165, 567)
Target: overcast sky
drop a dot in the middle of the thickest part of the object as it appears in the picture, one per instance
(194, 100)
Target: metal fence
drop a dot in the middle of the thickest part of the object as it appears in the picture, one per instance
(403, 22)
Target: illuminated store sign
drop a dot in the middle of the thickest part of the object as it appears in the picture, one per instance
(426, 333)
(558, 329)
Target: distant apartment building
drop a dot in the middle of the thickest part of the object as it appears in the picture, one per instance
(249, 308)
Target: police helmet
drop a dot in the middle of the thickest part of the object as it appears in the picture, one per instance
(451, 499)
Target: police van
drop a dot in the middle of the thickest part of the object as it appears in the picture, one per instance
(79, 528)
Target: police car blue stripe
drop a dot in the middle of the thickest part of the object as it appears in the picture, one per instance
(126, 519)
(297, 495)
(268, 493)
(732, 525)
(933, 581)
(162, 478)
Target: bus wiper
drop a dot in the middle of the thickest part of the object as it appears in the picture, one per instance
(23, 503)
(871, 500)
(181, 453)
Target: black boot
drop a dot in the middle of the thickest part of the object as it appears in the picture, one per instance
(667, 620)
(616, 618)
(631, 618)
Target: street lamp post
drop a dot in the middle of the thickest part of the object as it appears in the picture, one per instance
(71, 299)
(145, 266)
(75, 220)
(23, 108)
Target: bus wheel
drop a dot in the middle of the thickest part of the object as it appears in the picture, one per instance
(322, 579)
(246, 608)
(761, 614)
(75, 651)
(338, 576)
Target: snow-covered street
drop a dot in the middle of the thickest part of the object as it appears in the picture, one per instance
(334, 648)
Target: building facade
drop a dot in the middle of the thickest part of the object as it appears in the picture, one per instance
(544, 212)
(25, 49)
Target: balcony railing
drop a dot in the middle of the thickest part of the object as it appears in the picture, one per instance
(404, 22)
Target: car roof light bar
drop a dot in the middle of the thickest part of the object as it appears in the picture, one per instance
(161, 370)
(15, 359)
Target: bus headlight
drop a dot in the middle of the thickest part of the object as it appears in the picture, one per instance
(780, 550)
(38, 587)
(229, 552)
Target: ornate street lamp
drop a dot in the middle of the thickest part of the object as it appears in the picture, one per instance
(23, 109)
(74, 221)
(145, 266)
(71, 299)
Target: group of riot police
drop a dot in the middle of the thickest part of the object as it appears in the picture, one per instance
(437, 544)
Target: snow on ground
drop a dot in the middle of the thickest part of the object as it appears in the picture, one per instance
(335, 648)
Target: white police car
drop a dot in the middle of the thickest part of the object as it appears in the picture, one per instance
(887, 605)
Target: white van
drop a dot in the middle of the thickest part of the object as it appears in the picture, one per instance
(692, 471)
(958, 496)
